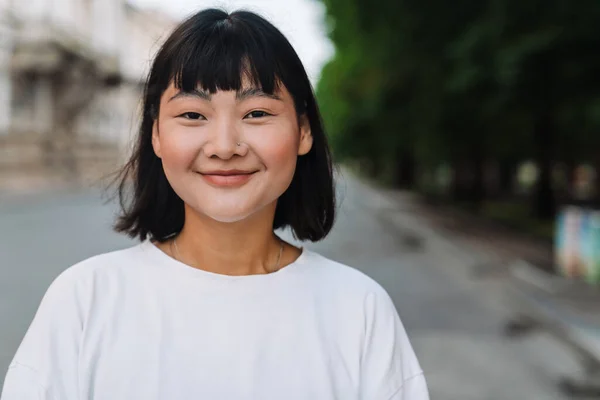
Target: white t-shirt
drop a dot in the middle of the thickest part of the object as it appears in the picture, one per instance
(137, 324)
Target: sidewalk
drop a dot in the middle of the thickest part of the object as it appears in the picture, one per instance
(568, 310)
(457, 321)
(502, 246)
(521, 266)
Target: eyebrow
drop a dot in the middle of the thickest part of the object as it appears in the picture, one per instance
(254, 92)
(239, 96)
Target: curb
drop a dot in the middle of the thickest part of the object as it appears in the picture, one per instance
(564, 308)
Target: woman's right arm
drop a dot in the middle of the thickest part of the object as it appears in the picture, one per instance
(45, 366)
(23, 382)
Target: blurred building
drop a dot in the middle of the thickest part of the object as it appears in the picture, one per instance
(70, 86)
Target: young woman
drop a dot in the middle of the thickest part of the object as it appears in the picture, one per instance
(212, 304)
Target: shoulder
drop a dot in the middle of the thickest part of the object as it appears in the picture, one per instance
(105, 263)
(346, 288)
(338, 277)
(330, 269)
(78, 279)
(71, 295)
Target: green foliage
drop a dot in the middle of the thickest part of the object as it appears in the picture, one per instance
(462, 80)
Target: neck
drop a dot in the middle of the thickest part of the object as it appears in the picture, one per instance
(245, 247)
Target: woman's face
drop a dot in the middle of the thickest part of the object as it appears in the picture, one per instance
(230, 154)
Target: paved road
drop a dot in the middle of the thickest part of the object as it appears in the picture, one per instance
(454, 321)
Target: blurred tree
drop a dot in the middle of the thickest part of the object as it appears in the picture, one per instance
(421, 83)
(548, 65)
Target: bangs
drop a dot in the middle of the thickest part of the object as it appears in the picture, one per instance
(225, 56)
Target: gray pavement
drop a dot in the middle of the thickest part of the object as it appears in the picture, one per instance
(454, 321)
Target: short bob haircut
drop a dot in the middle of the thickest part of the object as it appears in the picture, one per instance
(215, 50)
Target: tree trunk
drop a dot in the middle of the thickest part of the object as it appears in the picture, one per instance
(544, 137)
(507, 171)
(544, 205)
(459, 188)
(405, 170)
(477, 183)
(569, 189)
(373, 166)
(455, 186)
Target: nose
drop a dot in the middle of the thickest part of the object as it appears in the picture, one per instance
(224, 141)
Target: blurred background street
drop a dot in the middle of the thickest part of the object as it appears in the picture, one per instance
(467, 135)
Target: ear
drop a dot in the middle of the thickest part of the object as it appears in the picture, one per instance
(306, 138)
(155, 139)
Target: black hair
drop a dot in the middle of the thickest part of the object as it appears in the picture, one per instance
(216, 51)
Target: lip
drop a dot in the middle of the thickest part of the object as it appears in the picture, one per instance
(227, 178)
(227, 172)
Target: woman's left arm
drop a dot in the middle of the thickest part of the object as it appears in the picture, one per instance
(389, 367)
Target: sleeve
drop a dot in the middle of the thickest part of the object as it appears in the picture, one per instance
(389, 367)
(23, 382)
(45, 366)
(413, 388)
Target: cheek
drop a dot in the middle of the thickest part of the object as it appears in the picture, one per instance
(177, 148)
(280, 152)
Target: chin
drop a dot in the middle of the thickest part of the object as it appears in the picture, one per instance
(228, 215)
(232, 209)
(228, 218)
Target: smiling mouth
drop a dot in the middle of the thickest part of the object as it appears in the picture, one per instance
(229, 172)
(230, 178)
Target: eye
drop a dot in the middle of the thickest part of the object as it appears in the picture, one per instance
(194, 116)
(257, 114)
